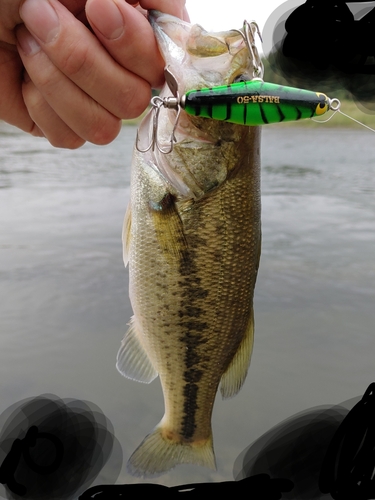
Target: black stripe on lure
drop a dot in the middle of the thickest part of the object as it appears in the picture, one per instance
(250, 103)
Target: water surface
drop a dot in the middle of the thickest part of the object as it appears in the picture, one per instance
(64, 301)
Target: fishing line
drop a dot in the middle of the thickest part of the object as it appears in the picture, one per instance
(327, 120)
(354, 120)
(338, 110)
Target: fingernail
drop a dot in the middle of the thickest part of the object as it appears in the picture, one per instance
(27, 42)
(41, 19)
(106, 18)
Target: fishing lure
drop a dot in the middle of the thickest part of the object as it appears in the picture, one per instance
(253, 102)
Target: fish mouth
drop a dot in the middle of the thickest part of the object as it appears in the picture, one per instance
(156, 17)
(200, 58)
(171, 34)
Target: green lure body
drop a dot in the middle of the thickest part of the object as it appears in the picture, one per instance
(255, 102)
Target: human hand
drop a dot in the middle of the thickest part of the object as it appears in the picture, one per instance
(61, 81)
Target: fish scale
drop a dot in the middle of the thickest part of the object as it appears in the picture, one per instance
(192, 239)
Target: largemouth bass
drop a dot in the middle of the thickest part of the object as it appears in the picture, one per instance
(192, 238)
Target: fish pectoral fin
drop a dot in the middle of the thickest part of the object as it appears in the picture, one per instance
(157, 454)
(126, 228)
(169, 228)
(132, 359)
(235, 375)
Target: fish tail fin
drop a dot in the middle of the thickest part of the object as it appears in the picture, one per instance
(158, 454)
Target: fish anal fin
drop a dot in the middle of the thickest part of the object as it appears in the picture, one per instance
(235, 375)
(132, 359)
(126, 228)
(158, 454)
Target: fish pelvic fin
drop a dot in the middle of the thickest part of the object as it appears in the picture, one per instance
(132, 359)
(235, 375)
(126, 228)
(158, 454)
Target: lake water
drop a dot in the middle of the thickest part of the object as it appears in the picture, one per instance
(64, 300)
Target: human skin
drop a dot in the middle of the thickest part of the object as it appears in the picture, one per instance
(71, 70)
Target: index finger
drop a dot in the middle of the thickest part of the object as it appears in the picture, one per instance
(128, 36)
(76, 53)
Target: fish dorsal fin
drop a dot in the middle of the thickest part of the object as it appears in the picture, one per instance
(126, 228)
(132, 359)
(235, 375)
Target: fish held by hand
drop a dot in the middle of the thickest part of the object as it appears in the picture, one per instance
(192, 238)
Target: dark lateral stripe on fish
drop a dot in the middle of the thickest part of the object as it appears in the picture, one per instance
(190, 407)
(192, 329)
(192, 375)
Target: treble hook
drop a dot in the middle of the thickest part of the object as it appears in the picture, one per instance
(248, 37)
(157, 103)
(176, 102)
